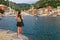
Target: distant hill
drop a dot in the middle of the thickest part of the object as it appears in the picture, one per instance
(21, 6)
(24, 6)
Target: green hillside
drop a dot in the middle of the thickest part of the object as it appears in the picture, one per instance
(45, 3)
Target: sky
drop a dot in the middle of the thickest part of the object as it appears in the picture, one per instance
(25, 1)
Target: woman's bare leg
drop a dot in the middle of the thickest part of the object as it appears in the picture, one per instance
(19, 31)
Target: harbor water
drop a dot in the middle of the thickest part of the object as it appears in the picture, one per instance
(35, 27)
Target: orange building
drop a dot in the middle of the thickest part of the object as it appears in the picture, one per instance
(3, 7)
(49, 7)
(34, 11)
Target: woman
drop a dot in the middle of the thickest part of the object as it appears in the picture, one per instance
(19, 23)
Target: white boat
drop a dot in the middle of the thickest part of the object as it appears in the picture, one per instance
(42, 15)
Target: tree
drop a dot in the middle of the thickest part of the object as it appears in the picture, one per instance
(45, 3)
(1, 1)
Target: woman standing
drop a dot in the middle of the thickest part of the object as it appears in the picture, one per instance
(19, 23)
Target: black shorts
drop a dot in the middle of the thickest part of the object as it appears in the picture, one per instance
(20, 24)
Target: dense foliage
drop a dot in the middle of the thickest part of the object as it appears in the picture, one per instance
(45, 3)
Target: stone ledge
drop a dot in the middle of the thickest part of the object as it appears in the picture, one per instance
(9, 35)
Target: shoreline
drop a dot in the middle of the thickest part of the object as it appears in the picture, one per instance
(10, 35)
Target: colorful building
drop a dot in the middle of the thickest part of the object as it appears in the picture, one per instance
(3, 7)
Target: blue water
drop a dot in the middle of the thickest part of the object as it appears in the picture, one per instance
(36, 28)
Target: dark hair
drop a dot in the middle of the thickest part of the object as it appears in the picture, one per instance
(19, 15)
(19, 12)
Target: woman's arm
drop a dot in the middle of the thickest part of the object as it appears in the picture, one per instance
(22, 15)
(16, 16)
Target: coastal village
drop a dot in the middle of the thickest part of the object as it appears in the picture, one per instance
(47, 11)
